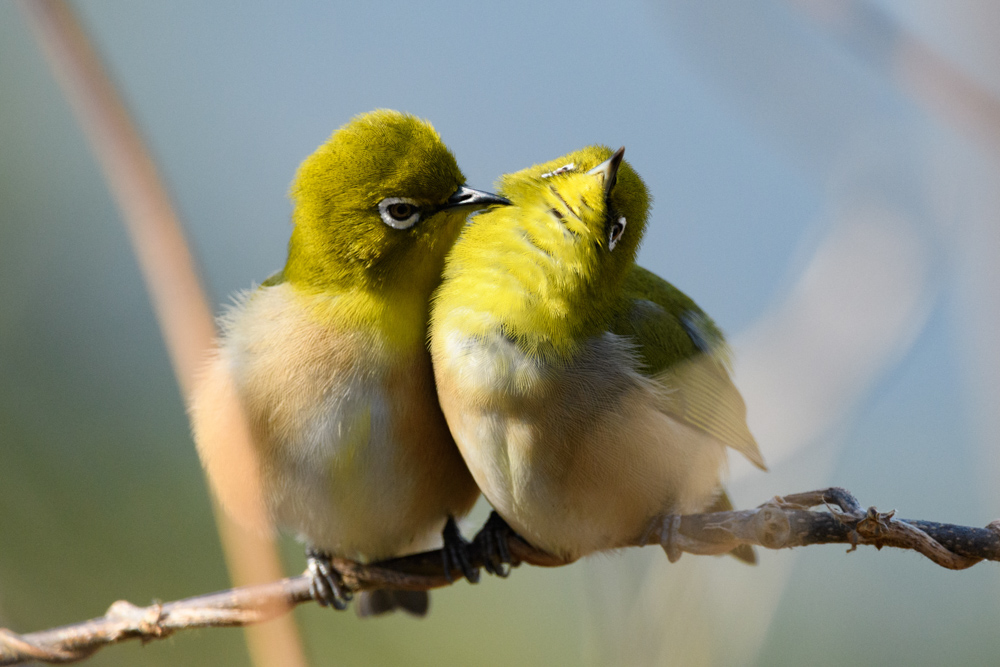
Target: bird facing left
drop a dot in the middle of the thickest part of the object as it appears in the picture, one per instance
(325, 364)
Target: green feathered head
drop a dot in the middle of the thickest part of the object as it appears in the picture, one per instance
(551, 267)
(380, 203)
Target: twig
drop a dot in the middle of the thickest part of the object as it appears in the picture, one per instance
(780, 523)
(786, 522)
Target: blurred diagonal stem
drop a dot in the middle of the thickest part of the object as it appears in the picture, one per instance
(780, 523)
(911, 64)
(172, 281)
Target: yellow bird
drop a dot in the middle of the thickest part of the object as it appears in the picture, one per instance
(590, 398)
(327, 361)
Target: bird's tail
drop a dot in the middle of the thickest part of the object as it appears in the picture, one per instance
(385, 600)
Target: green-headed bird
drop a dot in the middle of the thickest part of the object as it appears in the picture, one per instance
(590, 398)
(326, 363)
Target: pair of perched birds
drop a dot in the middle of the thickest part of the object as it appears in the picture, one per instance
(405, 360)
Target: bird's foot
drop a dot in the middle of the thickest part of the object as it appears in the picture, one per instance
(492, 541)
(455, 553)
(670, 536)
(326, 586)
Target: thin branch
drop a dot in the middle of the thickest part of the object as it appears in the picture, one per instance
(786, 522)
(780, 523)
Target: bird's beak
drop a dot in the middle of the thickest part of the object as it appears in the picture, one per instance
(475, 198)
(609, 170)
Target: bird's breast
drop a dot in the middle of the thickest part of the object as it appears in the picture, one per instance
(346, 426)
(577, 456)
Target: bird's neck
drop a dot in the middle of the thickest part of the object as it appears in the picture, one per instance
(360, 298)
(314, 264)
(393, 320)
(528, 297)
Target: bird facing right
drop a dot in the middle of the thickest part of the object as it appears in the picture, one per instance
(589, 397)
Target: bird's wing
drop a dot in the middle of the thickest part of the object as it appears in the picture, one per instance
(683, 350)
(275, 278)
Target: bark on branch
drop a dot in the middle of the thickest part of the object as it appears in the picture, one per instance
(782, 522)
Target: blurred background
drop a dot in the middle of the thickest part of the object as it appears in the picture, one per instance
(826, 186)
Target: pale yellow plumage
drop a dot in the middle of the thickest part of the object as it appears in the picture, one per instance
(354, 454)
(578, 458)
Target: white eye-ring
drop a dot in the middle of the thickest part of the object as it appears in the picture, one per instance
(617, 230)
(399, 212)
(561, 170)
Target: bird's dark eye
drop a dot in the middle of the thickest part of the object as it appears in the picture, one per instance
(399, 212)
(617, 229)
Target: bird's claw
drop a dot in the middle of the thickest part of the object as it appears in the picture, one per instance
(455, 553)
(492, 541)
(325, 585)
(670, 537)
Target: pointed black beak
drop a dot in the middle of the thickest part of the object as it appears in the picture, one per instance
(474, 198)
(609, 169)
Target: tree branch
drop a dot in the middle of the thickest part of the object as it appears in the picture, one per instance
(780, 523)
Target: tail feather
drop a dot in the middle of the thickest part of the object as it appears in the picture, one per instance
(386, 600)
(744, 552)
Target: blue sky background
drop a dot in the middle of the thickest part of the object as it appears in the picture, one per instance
(761, 135)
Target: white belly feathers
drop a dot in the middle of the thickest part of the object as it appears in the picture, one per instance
(553, 446)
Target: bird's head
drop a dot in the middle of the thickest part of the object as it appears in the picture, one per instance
(551, 267)
(378, 205)
(587, 209)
